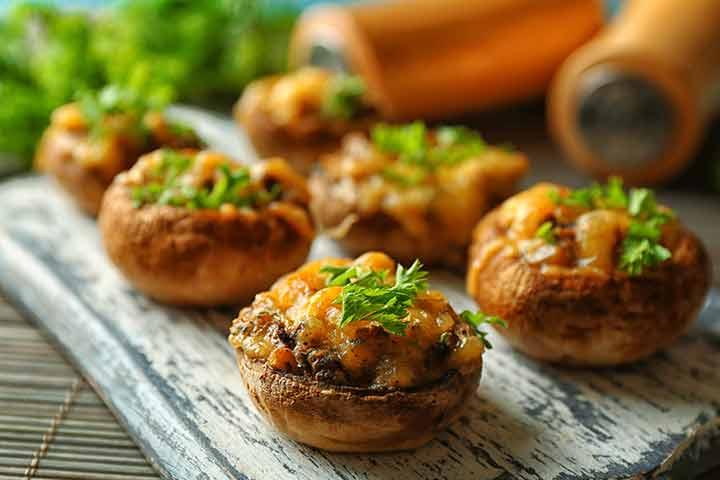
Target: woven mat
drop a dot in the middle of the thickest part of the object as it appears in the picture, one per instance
(52, 424)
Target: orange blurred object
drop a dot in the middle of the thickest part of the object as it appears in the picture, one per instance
(435, 59)
(635, 101)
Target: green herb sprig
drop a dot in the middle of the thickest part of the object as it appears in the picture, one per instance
(477, 319)
(111, 100)
(344, 98)
(411, 143)
(546, 231)
(232, 186)
(595, 196)
(366, 295)
(641, 247)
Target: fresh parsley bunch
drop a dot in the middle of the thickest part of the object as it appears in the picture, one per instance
(44, 59)
(232, 186)
(641, 248)
(202, 52)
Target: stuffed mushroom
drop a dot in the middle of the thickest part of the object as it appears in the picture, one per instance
(595, 276)
(304, 114)
(91, 141)
(194, 228)
(358, 355)
(411, 191)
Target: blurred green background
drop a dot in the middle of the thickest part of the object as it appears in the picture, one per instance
(201, 52)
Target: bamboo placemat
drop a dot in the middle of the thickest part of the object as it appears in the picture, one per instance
(52, 424)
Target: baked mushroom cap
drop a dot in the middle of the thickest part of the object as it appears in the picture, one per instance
(184, 253)
(561, 275)
(84, 159)
(302, 115)
(355, 386)
(349, 419)
(425, 205)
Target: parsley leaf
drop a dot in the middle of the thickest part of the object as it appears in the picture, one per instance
(409, 141)
(367, 296)
(454, 135)
(340, 276)
(639, 253)
(113, 100)
(581, 197)
(546, 231)
(477, 319)
(455, 145)
(344, 97)
(232, 185)
(595, 196)
(642, 201)
(417, 147)
(615, 196)
(641, 247)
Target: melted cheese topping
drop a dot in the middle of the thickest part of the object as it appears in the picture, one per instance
(449, 200)
(587, 241)
(294, 327)
(291, 205)
(124, 138)
(293, 103)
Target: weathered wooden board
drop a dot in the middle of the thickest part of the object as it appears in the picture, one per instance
(170, 377)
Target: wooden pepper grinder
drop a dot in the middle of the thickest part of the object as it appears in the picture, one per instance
(439, 58)
(634, 102)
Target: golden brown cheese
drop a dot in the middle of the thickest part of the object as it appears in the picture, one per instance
(587, 240)
(291, 206)
(445, 204)
(295, 328)
(119, 145)
(292, 103)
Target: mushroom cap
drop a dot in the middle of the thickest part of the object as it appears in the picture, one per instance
(202, 257)
(350, 419)
(578, 318)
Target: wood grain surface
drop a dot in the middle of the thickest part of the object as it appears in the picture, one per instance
(170, 377)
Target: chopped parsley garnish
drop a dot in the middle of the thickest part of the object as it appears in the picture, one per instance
(367, 296)
(455, 145)
(344, 98)
(415, 146)
(641, 247)
(231, 185)
(477, 319)
(409, 142)
(546, 231)
(639, 253)
(595, 196)
(112, 100)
